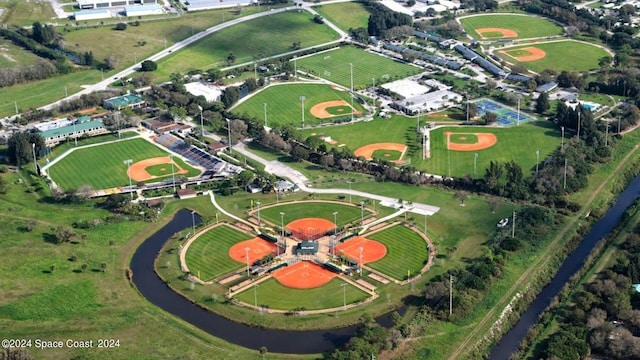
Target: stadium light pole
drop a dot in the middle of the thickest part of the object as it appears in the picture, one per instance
(258, 206)
(193, 221)
(475, 160)
(128, 163)
(246, 252)
(351, 71)
(282, 231)
(302, 109)
(335, 222)
(562, 143)
(606, 135)
(360, 249)
(173, 173)
(349, 182)
(344, 295)
(265, 115)
(229, 134)
(564, 186)
(35, 164)
(537, 160)
(75, 134)
(373, 93)
(519, 96)
(362, 213)
(201, 123)
(450, 294)
(255, 295)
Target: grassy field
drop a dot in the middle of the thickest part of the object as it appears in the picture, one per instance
(407, 252)
(293, 211)
(334, 66)
(24, 13)
(542, 136)
(351, 15)
(390, 155)
(563, 55)
(208, 256)
(277, 296)
(38, 93)
(90, 166)
(525, 26)
(14, 56)
(284, 105)
(249, 41)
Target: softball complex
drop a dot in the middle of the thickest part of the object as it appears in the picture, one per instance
(307, 254)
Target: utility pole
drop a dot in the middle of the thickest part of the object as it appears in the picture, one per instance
(565, 174)
(578, 133)
(450, 294)
(302, 98)
(352, 109)
(562, 144)
(513, 225)
(537, 160)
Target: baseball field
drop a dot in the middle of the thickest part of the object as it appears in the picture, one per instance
(323, 210)
(334, 66)
(493, 26)
(103, 166)
(537, 135)
(285, 107)
(406, 252)
(563, 55)
(277, 296)
(208, 256)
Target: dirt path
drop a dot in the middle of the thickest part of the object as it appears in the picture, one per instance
(535, 265)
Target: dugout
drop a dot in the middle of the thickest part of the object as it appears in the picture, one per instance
(306, 248)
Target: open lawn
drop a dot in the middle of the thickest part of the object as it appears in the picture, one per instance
(277, 296)
(526, 26)
(24, 13)
(138, 42)
(565, 55)
(334, 66)
(14, 56)
(249, 41)
(349, 15)
(542, 136)
(284, 105)
(311, 209)
(38, 93)
(103, 166)
(208, 256)
(407, 252)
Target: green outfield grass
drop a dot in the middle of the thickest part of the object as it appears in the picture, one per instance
(14, 56)
(563, 55)
(350, 15)
(407, 252)
(334, 66)
(526, 26)
(390, 155)
(249, 41)
(284, 105)
(540, 135)
(311, 209)
(208, 256)
(103, 166)
(277, 296)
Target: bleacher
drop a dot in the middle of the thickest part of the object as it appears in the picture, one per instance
(281, 265)
(269, 237)
(192, 153)
(333, 267)
(347, 237)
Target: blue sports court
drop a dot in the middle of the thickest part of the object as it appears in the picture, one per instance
(506, 116)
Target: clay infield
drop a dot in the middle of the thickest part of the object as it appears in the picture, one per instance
(320, 110)
(503, 32)
(485, 140)
(372, 250)
(138, 171)
(303, 275)
(367, 150)
(258, 248)
(309, 228)
(534, 54)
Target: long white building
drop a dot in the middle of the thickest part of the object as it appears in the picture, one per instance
(99, 4)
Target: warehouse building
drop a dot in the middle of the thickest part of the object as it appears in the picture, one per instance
(95, 14)
(101, 4)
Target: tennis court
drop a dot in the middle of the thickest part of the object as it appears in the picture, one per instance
(506, 115)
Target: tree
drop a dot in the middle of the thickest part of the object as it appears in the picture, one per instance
(121, 26)
(263, 351)
(461, 196)
(20, 147)
(148, 65)
(472, 110)
(84, 267)
(103, 267)
(231, 58)
(229, 96)
(318, 19)
(542, 103)
(52, 268)
(63, 234)
(410, 3)
(490, 117)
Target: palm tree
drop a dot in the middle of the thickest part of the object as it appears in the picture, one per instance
(84, 267)
(52, 268)
(263, 351)
(103, 266)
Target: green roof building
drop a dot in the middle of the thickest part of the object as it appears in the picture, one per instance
(81, 128)
(125, 101)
